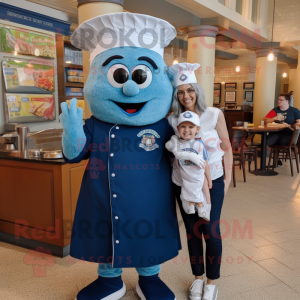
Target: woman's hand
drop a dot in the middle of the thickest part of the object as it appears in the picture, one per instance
(226, 185)
(209, 181)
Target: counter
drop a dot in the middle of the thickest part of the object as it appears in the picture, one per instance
(38, 201)
(31, 159)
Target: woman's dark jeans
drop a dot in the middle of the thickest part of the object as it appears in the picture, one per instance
(197, 229)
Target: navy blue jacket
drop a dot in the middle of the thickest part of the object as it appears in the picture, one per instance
(126, 212)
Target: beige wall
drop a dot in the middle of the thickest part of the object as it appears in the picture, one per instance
(225, 72)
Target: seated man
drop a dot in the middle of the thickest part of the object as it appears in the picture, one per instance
(290, 116)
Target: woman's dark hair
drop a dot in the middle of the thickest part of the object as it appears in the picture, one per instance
(291, 92)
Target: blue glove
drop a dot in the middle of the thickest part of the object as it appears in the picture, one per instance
(74, 138)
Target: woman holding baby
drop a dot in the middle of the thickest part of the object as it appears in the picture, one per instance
(189, 96)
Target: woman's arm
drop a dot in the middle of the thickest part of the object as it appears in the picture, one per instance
(226, 147)
(207, 175)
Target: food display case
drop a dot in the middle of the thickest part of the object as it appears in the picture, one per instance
(70, 72)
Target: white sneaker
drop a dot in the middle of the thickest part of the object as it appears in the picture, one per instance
(196, 290)
(204, 212)
(210, 292)
(189, 209)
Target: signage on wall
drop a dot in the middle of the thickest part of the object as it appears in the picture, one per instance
(249, 96)
(217, 96)
(29, 108)
(230, 96)
(27, 43)
(76, 92)
(33, 19)
(26, 77)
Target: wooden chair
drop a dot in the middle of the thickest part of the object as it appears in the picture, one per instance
(286, 151)
(238, 145)
(250, 152)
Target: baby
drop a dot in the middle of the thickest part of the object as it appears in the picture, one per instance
(190, 169)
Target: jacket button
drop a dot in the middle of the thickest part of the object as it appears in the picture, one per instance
(116, 217)
(114, 195)
(117, 127)
(111, 154)
(112, 135)
(117, 242)
(113, 175)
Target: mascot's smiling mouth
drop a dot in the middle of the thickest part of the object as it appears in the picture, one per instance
(130, 108)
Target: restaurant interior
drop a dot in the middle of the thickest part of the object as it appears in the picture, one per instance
(248, 51)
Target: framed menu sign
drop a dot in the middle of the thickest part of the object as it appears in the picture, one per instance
(230, 85)
(249, 96)
(217, 86)
(217, 96)
(29, 108)
(248, 85)
(27, 43)
(230, 96)
(24, 77)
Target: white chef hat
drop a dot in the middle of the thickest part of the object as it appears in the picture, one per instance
(189, 116)
(183, 73)
(123, 29)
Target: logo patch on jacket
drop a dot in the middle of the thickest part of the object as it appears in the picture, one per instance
(148, 141)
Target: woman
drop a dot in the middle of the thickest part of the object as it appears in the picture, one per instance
(291, 93)
(189, 95)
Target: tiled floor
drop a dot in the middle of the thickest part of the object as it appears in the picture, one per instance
(265, 266)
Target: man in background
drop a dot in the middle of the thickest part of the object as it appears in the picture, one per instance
(288, 115)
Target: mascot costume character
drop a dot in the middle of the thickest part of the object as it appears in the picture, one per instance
(125, 215)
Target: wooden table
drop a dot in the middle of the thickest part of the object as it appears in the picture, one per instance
(263, 132)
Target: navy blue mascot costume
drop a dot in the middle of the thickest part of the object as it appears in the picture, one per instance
(125, 215)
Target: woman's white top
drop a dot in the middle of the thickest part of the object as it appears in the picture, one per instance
(210, 138)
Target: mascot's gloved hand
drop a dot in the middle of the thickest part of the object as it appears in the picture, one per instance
(74, 138)
(173, 145)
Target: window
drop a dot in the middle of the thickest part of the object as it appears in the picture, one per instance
(254, 17)
(239, 6)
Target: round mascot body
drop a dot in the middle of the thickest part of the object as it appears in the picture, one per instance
(125, 215)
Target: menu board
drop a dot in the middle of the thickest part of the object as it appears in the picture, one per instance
(217, 96)
(30, 108)
(27, 43)
(24, 77)
(76, 92)
(230, 96)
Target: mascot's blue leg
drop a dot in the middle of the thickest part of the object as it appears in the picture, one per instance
(151, 287)
(108, 285)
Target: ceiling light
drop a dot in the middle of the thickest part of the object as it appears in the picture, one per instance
(284, 75)
(271, 56)
(238, 69)
(175, 60)
(68, 62)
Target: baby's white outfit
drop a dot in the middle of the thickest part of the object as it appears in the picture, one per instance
(189, 176)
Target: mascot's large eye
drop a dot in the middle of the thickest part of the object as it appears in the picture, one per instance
(142, 75)
(117, 75)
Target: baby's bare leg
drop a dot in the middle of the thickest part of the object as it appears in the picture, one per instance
(205, 190)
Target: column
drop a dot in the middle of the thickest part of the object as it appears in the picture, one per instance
(201, 50)
(262, 13)
(231, 4)
(265, 84)
(297, 84)
(88, 9)
(247, 9)
(292, 77)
